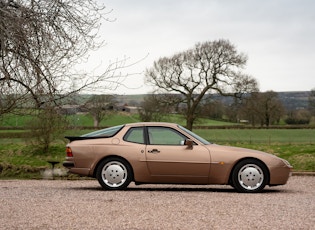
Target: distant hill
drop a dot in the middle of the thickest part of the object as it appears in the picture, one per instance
(290, 100)
(294, 100)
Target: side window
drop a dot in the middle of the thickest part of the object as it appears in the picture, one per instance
(135, 135)
(165, 136)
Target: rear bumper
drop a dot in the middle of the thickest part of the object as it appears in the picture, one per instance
(68, 164)
(72, 169)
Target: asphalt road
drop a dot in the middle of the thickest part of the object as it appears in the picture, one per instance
(81, 204)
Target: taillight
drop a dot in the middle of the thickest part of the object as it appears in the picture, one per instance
(69, 152)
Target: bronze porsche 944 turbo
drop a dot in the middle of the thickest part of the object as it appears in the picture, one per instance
(167, 153)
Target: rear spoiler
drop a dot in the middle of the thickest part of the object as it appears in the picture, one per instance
(79, 138)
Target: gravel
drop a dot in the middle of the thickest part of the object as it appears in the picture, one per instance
(82, 204)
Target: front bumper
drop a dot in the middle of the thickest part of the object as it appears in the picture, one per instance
(280, 175)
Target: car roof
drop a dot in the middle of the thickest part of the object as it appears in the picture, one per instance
(169, 124)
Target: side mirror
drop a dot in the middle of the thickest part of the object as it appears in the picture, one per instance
(189, 143)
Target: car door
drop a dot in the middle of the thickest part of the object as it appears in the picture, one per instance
(170, 161)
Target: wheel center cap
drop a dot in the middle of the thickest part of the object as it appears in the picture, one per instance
(114, 173)
(250, 177)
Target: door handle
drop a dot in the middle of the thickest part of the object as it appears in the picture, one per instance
(153, 151)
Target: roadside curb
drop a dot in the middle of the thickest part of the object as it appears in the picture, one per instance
(303, 173)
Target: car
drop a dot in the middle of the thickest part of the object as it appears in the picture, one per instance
(168, 153)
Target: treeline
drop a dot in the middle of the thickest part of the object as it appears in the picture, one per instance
(258, 109)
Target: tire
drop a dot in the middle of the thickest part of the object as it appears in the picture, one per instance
(250, 176)
(114, 174)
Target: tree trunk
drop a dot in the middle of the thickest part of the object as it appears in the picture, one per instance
(96, 122)
(189, 122)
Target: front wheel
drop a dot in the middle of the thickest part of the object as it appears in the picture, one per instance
(250, 176)
(114, 174)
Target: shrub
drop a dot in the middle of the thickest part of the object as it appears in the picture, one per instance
(46, 127)
(299, 117)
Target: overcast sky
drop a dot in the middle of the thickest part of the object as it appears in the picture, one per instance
(278, 36)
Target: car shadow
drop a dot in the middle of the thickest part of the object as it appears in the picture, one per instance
(177, 189)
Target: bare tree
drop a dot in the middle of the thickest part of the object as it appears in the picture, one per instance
(40, 43)
(262, 108)
(213, 109)
(251, 110)
(209, 67)
(311, 102)
(150, 109)
(156, 106)
(100, 107)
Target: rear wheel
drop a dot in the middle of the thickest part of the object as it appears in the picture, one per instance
(114, 173)
(250, 176)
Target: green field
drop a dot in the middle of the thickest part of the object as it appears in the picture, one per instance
(259, 136)
(82, 120)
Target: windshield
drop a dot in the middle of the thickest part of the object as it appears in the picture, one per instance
(194, 135)
(108, 132)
